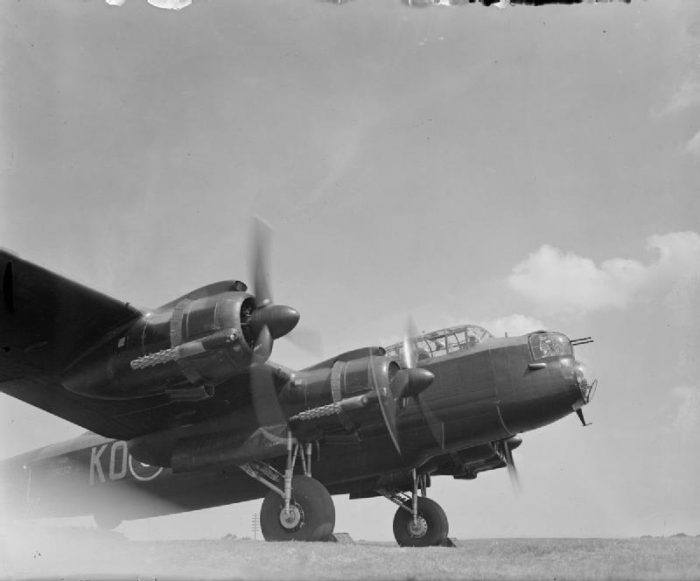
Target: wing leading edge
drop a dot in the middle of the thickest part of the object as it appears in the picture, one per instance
(47, 321)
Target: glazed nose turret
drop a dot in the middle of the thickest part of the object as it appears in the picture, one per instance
(585, 381)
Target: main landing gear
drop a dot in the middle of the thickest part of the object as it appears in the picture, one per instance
(298, 507)
(309, 517)
(419, 521)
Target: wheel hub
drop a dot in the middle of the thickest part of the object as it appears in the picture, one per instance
(417, 527)
(292, 518)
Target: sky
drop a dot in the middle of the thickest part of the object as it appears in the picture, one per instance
(515, 167)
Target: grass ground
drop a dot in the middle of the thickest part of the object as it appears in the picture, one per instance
(98, 556)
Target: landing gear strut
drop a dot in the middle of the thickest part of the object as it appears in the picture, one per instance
(419, 521)
(298, 507)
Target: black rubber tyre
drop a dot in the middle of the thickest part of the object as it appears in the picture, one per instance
(313, 515)
(432, 526)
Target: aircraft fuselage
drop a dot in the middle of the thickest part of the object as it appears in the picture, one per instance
(480, 396)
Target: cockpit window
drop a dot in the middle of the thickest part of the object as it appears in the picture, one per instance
(545, 345)
(443, 342)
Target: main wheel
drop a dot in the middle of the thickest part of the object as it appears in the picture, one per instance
(311, 515)
(429, 529)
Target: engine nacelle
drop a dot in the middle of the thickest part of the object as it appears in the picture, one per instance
(184, 349)
(210, 337)
(335, 397)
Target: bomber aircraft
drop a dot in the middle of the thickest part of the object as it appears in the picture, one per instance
(183, 404)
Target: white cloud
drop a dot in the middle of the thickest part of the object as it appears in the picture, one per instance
(166, 4)
(170, 4)
(693, 145)
(514, 325)
(686, 96)
(566, 283)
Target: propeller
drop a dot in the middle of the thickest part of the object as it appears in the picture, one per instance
(279, 320)
(410, 381)
(409, 355)
(263, 392)
(512, 469)
(307, 339)
(268, 321)
(506, 453)
(420, 379)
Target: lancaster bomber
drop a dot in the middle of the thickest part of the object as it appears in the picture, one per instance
(183, 404)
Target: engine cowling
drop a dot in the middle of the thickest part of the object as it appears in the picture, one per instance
(211, 338)
(335, 397)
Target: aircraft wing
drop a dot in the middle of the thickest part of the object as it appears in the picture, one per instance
(47, 321)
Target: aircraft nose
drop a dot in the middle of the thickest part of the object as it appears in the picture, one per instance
(585, 381)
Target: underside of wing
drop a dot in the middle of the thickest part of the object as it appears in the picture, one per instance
(127, 419)
(46, 320)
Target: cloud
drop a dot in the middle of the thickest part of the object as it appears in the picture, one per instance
(693, 146)
(563, 282)
(514, 325)
(166, 4)
(170, 4)
(686, 96)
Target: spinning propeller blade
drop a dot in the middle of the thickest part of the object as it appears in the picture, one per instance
(280, 320)
(410, 357)
(263, 345)
(512, 469)
(387, 404)
(437, 428)
(410, 381)
(421, 382)
(307, 339)
(268, 321)
(259, 261)
(263, 392)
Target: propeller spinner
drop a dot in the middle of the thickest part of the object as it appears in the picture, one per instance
(268, 321)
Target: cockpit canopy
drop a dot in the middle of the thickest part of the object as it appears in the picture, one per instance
(443, 342)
